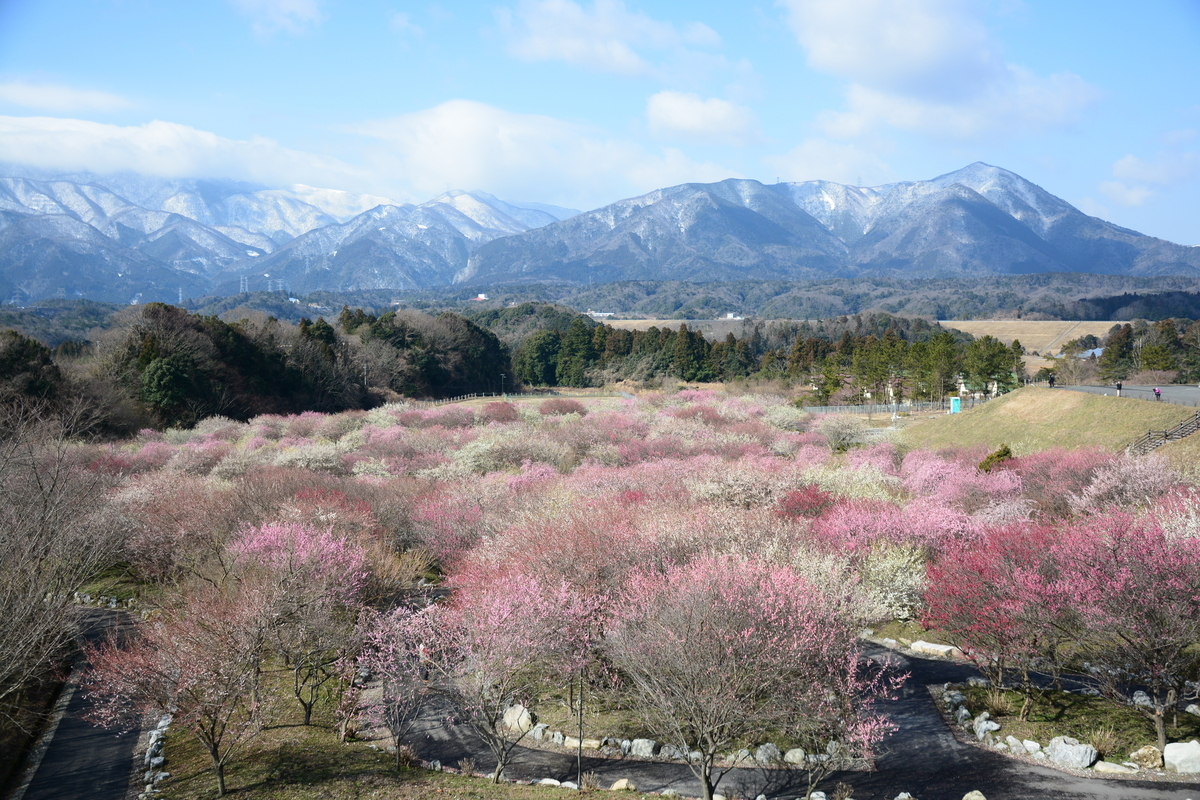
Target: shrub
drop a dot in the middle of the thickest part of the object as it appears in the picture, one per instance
(500, 412)
(807, 501)
(559, 406)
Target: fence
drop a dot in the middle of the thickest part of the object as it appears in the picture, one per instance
(870, 409)
(1156, 439)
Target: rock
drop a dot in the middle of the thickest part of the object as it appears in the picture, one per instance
(539, 731)
(668, 793)
(1193, 709)
(626, 746)
(519, 718)
(610, 752)
(164, 722)
(817, 796)
(1148, 757)
(556, 737)
(742, 756)
(976, 795)
(1142, 700)
(954, 698)
(591, 744)
(1015, 745)
(570, 742)
(1116, 769)
(794, 756)
(718, 797)
(962, 715)
(905, 796)
(623, 785)
(157, 762)
(888, 642)
(1089, 691)
(643, 748)
(672, 752)
(931, 649)
(983, 725)
(981, 683)
(1040, 755)
(1182, 757)
(767, 754)
(1031, 746)
(569, 785)
(435, 766)
(1068, 752)
(549, 782)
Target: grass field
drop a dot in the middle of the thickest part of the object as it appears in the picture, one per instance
(1033, 419)
(1044, 337)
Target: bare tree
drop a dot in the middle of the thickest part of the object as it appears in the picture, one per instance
(55, 534)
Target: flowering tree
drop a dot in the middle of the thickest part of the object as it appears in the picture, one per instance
(1138, 590)
(1001, 597)
(483, 653)
(314, 578)
(722, 649)
(197, 662)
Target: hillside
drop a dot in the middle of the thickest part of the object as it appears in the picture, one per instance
(1033, 418)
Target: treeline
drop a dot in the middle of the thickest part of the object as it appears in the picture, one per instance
(871, 354)
(160, 366)
(1169, 349)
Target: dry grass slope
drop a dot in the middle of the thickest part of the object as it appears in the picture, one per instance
(1033, 419)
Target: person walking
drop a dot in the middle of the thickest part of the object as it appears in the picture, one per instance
(1157, 394)
(1118, 388)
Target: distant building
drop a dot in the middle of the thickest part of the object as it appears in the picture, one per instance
(732, 315)
(600, 314)
(479, 298)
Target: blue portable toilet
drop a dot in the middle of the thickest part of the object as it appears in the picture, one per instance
(955, 405)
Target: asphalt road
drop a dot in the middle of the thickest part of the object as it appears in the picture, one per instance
(922, 758)
(83, 761)
(1179, 395)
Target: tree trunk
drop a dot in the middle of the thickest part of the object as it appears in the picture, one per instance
(1160, 728)
(220, 770)
(579, 749)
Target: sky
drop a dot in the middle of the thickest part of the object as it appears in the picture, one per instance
(580, 103)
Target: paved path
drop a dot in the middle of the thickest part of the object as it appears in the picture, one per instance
(83, 761)
(923, 758)
(1179, 395)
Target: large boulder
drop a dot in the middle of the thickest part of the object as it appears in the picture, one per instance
(623, 785)
(767, 754)
(1116, 769)
(519, 718)
(794, 756)
(931, 649)
(1182, 757)
(1148, 757)
(1068, 752)
(643, 748)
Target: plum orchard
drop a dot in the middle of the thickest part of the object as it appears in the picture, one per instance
(702, 557)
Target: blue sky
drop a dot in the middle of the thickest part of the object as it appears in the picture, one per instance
(583, 102)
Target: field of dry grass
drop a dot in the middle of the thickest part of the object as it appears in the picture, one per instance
(1044, 337)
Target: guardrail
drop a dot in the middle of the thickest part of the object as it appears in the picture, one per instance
(1156, 439)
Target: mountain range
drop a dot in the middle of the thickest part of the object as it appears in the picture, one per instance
(131, 238)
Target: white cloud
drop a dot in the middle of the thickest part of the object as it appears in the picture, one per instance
(468, 145)
(820, 159)
(402, 24)
(288, 16)
(1125, 195)
(929, 66)
(606, 37)
(51, 97)
(1165, 170)
(164, 149)
(689, 116)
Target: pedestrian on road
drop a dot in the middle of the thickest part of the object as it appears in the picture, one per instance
(1118, 388)
(1157, 394)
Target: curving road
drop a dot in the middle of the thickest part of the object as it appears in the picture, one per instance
(1175, 394)
(923, 758)
(83, 761)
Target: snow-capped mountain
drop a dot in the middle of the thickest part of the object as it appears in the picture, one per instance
(120, 237)
(200, 235)
(978, 220)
